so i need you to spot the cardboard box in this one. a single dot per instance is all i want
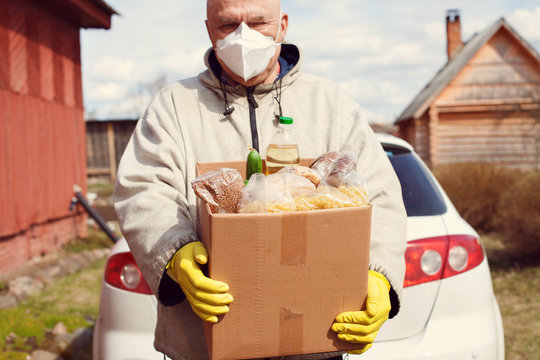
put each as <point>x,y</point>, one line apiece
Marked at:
<point>290,274</point>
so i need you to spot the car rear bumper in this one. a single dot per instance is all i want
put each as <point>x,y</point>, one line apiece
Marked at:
<point>125,327</point>
<point>476,338</point>
<point>465,324</point>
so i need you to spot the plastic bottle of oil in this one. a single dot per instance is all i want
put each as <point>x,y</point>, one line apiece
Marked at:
<point>283,149</point>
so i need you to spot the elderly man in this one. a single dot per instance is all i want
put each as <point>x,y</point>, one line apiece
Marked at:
<point>252,78</point>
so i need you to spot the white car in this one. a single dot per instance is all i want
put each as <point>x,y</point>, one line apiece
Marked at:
<point>448,308</point>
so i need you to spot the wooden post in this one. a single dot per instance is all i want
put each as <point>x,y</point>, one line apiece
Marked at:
<point>433,135</point>
<point>112,151</point>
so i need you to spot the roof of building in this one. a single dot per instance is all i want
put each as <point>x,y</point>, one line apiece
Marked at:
<point>85,13</point>
<point>450,70</point>
<point>105,6</point>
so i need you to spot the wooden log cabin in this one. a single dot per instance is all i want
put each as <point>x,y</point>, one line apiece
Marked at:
<point>483,105</point>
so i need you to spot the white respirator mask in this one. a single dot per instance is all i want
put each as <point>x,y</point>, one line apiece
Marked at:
<point>247,52</point>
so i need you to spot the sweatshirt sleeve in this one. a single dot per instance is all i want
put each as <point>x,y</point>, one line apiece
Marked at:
<point>389,219</point>
<point>150,196</point>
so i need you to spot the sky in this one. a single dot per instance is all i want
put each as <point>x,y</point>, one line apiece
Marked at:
<point>381,52</point>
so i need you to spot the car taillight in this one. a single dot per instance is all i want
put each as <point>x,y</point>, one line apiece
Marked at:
<point>440,257</point>
<point>122,272</point>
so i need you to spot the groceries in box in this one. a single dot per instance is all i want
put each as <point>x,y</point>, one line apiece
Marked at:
<point>331,181</point>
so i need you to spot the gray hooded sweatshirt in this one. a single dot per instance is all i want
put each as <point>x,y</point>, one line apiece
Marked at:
<point>184,124</point>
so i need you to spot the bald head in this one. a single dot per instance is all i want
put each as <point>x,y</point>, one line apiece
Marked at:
<point>214,5</point>
<point>264,16</point>
<point>224,16</point>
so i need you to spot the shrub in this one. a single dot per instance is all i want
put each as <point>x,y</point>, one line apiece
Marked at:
<point>519,214</point>
<point>475,189</point>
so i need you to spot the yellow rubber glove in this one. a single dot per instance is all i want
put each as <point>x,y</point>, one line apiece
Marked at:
<point>208,298</point>
<point>361,327</point>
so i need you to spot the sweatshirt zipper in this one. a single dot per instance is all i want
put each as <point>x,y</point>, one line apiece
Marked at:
<point>253,118</point>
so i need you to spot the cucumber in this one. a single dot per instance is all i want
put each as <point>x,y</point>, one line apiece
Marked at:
<point>253,163</point>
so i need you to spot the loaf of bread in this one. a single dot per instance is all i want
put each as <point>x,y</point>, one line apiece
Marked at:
<point>323,164</point>
<point>341,168</point>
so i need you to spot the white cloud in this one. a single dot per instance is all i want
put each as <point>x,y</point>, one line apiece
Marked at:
<point>114,68</point>
<point>322,66</point>
<point>400,55</point>
<point>134,107</point>
<point>435,31</point>
<point>183,62</point>
<point>127,107</point>
<point>528,21</point>
<point>103,92</point>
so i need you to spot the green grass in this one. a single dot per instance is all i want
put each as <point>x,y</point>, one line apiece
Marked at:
<point>516,283</point>
<point>518,294</point>
<point>72,300</point>
<point>96,239</point>
<point>102,189</point>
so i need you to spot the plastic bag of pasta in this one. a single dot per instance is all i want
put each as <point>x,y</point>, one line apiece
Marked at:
<point>350,191</point>
<point>254,195</point>
<point>274,193</point>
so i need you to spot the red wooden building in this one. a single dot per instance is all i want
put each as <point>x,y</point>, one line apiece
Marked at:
<point>42,131</point>
<point>483,105</point>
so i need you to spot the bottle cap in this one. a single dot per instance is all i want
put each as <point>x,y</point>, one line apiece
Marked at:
<point>285,120</point>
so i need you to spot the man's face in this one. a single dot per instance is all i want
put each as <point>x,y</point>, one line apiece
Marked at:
<point>224,16</point>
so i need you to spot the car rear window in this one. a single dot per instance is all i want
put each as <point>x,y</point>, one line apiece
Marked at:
<point>420,195</point>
